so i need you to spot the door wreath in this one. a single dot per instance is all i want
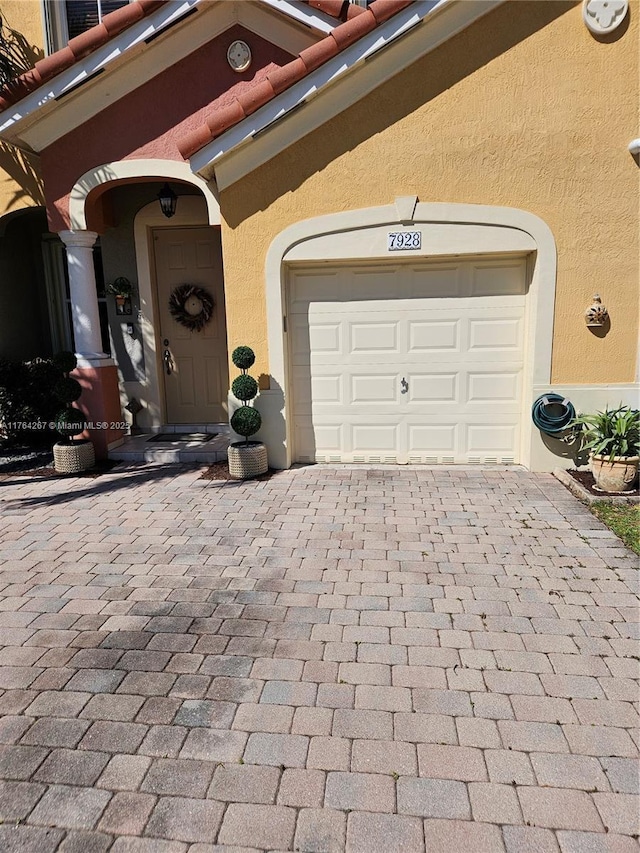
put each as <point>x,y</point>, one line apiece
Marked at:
<point>191,306</point>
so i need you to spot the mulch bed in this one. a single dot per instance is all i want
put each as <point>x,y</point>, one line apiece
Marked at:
<point>585,478</point>
<point>26,461</point>
<point>220,471</point>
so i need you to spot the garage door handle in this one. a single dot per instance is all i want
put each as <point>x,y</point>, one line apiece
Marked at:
<point>405,385</point>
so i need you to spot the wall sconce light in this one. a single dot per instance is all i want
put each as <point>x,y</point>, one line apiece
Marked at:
<point>167,199</point>
<point>596,314</point>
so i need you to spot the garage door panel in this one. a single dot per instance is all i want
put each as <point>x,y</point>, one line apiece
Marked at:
<point>495,334</point>
<point>375,438</point>
<point>491,438</point>
<point>426,438</point>
<point>373,337</point>
<point>433,388</point>
<point>310,284</point>
<point>434,336</point>
<point>493,387</point>
<point>324,338</point>
<point>490,279</point>
<point>374,388</point>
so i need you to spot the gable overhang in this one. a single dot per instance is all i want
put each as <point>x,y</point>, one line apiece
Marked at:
<point>337,84</point>
<point>134,57</point>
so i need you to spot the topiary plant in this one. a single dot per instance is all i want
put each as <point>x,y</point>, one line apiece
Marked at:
<point>70,421</point>
<point>246,421</point>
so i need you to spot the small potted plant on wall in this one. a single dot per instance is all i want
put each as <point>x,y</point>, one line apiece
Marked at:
<point>247,459</point>
<point>121,289</point>
<point>70,455</point>
<point>613,437</point>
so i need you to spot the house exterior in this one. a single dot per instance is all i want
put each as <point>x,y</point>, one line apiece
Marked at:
<point>403,207</point>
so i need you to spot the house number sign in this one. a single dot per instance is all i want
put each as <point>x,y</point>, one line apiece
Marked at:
<point>399,240</point>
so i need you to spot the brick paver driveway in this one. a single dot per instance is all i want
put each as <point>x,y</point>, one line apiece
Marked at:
<point>382,660</point>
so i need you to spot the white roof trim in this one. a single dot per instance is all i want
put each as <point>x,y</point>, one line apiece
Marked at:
<point>304,15</point>
<point>333,87</point>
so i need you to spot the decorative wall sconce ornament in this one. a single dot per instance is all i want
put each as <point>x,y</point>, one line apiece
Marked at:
<point>168,200</point>
<point>596,314</point>
<point>604,16</point>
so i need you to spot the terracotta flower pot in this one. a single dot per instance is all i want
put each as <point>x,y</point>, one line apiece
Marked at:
<point>617,475</point>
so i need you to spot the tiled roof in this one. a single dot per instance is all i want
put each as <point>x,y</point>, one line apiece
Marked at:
<point>345,34</point>
<point>356,22</point>
<point>76,49</point>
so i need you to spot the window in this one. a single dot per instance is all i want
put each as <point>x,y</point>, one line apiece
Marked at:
<point>65,19</point>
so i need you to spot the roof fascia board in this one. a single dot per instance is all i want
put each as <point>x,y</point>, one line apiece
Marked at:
<point>313,18</point>
<point>132,37</point>
<point>330,90</point>
<point>38,120</point>
<point>262,20</point>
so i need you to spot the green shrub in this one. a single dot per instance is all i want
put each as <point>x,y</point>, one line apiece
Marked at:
<point>70,422</point>
<point>244,387</point>
<point>33,392</point>
<point>68,390</point>
<point>613,432</point>
<point>65,361</point>
<point>243,357</point>
<point>246,421</point>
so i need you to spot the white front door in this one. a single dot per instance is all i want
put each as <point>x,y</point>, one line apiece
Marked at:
<point>196,377</point>
<point>408,363</point>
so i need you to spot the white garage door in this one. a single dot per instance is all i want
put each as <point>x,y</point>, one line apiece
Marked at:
<point>408,363</point>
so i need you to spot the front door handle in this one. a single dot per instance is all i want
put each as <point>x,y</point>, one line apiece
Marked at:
<point>168,362</point>
<point>405,385</point>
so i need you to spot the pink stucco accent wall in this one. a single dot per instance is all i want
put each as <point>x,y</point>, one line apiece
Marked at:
<point>148,122</point>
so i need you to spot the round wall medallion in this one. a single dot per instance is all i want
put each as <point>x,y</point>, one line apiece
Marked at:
<point>239,55</point>
<point>604,16</point>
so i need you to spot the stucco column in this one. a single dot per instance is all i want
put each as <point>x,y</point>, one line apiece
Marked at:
<point>82,289</point>
<point>96,372</point>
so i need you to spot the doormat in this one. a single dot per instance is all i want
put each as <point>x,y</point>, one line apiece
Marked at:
<point>199,437</point>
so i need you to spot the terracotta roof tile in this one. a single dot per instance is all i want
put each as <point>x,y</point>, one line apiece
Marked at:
<point>384,9</point>
<point>88,41</point>
<point>353,11</point>
<point>282,78</point>
<point>353,30</point>
<point>256,97</point>
<point>194,140</point>
<point>54,63</point>
<point>117,21</point>
<point>225,118</point>
<point>316,55</point>
<point>334,8</point>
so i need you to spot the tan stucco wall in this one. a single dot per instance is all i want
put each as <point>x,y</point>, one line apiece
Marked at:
<point>524,109</point>
<point>20,182</point>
